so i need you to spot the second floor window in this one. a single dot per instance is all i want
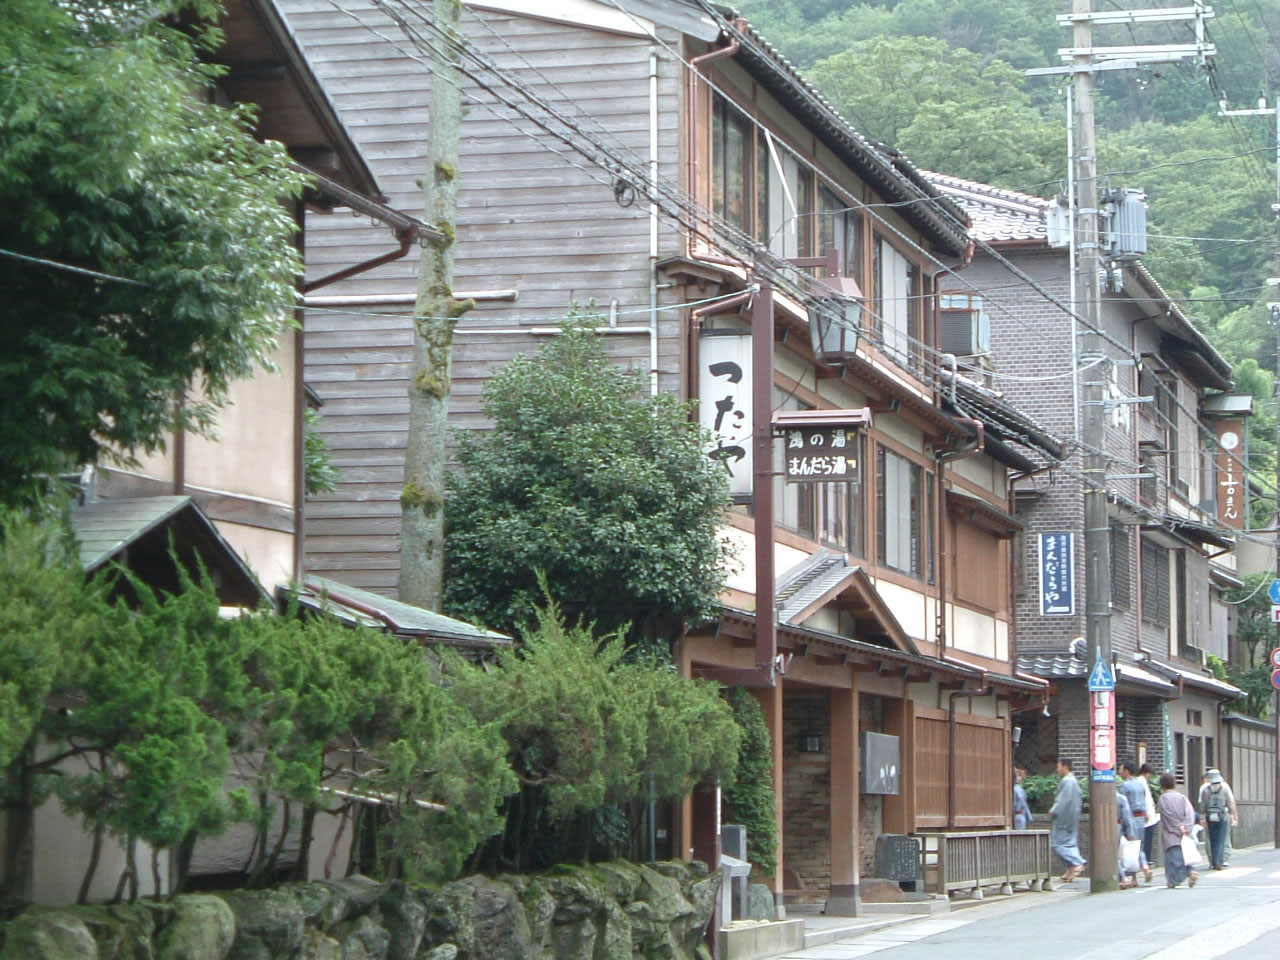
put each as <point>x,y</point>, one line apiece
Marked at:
<point>734,181</point>
<point>900,513</point>
<point>897,303</point>
<point>1121,565</point>
<point>1155,584</point>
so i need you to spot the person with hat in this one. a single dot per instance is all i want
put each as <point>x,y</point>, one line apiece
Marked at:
<point>1218,814</point>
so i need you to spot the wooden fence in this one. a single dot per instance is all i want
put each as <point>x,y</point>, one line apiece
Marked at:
<point>971,861</point>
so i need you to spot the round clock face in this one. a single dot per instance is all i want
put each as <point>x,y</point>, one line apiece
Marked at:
<point>1230,440</point>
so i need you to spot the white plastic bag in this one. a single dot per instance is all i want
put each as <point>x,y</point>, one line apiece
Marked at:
<point>1129,860</point>
<point>1190,852</point>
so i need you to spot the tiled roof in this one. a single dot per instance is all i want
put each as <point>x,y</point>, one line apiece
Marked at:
<point>1052,665</point>
<point>1006,420</point>
<point>996,214</point>
<point>890,170</point>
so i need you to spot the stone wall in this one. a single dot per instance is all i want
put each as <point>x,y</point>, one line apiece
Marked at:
<point>806,796</point>
<point>608,911</point>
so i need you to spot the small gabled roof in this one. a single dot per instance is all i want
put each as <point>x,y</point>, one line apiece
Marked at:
<point>825,577</point>
<point>996,215</point>
<point>138,534</point>
<point>366,608</point>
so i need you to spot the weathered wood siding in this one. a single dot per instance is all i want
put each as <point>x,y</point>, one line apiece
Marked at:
<point>533,216</point>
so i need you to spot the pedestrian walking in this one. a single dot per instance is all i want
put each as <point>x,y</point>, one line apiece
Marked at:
<point>1021,808</point>
<point>1177,817</point>
<point>1153,817</point>
<point>1065,812</point>
<point>1127,832</point>
<point>1136,791</point>
<point>1218,813</point>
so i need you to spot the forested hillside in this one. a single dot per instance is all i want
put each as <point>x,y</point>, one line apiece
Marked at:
<point>943,81</point>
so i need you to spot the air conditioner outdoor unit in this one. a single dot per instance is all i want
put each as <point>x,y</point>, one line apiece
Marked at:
<point>966,329</point>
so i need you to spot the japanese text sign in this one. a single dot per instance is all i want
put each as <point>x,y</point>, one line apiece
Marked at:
<point>724,402</point>
<point>819,453</point>
<point>1230,455</point>
<point>1057,575</point>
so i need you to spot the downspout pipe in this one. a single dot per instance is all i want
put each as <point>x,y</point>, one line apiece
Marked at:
<point>696,317</point>
<point>691,100</point>
<point>653,222</point>
<point>940,460</point>
<point>407,237</point>
<point>951,744</point>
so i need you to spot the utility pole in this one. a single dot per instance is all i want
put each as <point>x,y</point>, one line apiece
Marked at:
<point>1084,61</point>
<point>436,311</point>
<point>1262,110</point>
<point>1093,424</point>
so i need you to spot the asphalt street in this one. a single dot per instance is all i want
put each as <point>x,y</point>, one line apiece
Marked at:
<point>1233,913</point>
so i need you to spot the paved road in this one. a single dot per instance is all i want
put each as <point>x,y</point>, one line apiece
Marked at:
<point>1233,913</point>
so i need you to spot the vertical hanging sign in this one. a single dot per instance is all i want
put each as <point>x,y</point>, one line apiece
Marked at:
<point>1231,493</point>
<point>1102,722</point>
<point>1057,575</point>
<point>724,402</point>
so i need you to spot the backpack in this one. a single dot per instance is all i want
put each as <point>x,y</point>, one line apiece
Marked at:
<point>1215,803</point>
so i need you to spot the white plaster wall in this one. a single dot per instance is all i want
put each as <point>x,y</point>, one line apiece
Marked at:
<point>977,633</point>
<point>269,553</point>
<point>744,547</point>
<point>254,450</point>
<point>908,606</point>
<point>62,850</point>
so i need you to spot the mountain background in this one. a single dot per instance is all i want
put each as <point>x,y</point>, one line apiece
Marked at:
<point>943,81</point>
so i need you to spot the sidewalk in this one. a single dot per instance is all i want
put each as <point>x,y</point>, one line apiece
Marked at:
<point>846,938</point>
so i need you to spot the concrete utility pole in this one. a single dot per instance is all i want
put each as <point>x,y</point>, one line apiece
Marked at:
<point>435,313</point>
<point>1093,427</point>
<point>1084,61</point>
<point>1273,111</point>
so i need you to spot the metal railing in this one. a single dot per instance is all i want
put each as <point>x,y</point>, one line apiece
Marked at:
<point>972,861</point>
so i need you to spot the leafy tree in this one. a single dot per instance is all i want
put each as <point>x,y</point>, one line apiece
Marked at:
<point>590,734</point>
<point>1255,633</point>
<point>750,798</point>
<point>115,158</point>
<point>588,479</point>
<point>46,620</point>
<point>948,108</point>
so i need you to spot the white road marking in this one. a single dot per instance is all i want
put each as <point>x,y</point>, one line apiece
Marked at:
<point>1224,937</point>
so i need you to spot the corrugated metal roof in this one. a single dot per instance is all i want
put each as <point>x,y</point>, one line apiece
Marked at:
<point>809,580</point>
<point>401,618</point>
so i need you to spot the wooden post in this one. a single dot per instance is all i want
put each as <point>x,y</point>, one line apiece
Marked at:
<point>845,854</point>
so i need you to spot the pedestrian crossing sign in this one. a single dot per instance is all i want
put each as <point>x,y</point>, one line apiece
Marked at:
<point>1102,678</point>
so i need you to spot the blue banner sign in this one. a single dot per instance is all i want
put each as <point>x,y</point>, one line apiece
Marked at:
<point>1057,575</point>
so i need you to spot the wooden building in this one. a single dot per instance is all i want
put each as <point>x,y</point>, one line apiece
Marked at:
<point>715,168</point>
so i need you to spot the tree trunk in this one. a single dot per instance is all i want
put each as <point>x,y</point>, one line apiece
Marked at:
<point>436,311</point>
<point>182,862</point>
<point>19,820</point>
<point>95,852</point>
<point>302,869</point>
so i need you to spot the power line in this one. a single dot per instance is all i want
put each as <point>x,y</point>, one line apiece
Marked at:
<point>68,268</point>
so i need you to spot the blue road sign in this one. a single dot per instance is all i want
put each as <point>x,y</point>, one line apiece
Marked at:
<point>1102,678</point>
<point>1273,591</point>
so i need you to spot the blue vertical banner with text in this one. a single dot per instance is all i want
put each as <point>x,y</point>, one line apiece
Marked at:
<point>1057,575</point>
